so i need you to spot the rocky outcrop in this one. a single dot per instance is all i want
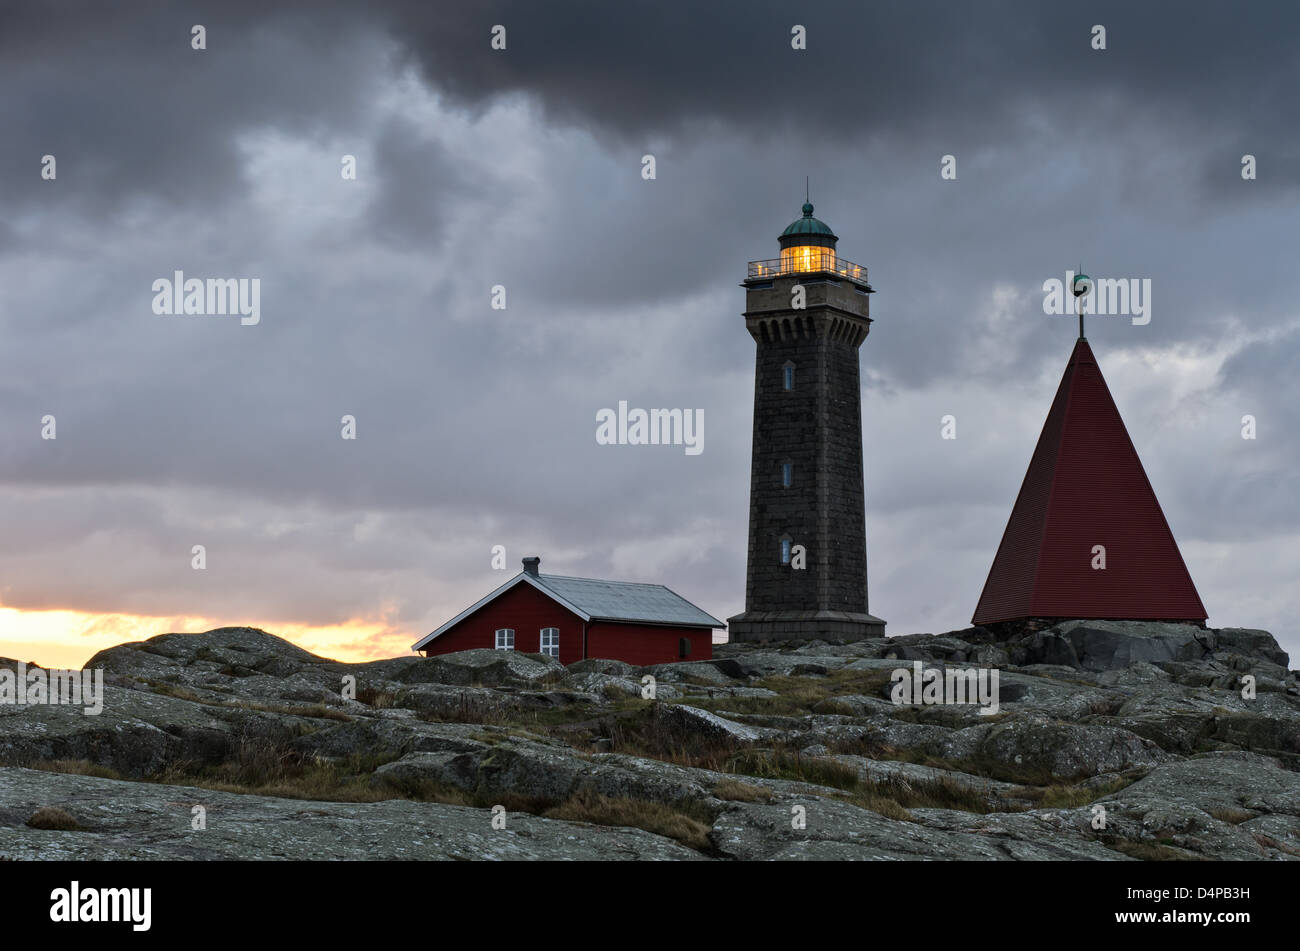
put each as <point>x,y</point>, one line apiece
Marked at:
<point>768,751</point>
<point>124,820</point>
<point>1113,645</point>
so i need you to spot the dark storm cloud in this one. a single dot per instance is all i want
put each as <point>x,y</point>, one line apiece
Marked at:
<point>870,69</point>
<point>132,113</point>
<point>120,89</point>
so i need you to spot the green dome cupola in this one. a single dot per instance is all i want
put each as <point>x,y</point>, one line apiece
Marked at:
<point>808,232</point>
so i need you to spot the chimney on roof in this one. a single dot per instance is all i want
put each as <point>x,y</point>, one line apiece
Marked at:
<point>530,565</point>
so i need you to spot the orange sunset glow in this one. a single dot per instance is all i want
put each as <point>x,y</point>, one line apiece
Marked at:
<point>67,639</point>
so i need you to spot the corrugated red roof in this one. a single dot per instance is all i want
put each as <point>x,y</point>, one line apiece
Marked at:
<point>1085,487</point>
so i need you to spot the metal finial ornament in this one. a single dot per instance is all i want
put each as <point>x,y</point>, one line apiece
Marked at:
<point>1082,285</point>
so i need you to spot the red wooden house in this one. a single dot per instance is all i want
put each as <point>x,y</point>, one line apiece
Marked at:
<point>573,618</point>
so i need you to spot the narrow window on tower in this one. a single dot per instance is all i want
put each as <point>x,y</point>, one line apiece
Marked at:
<point>787,474</point>
<point>787,376</point>
<point>785,551</point>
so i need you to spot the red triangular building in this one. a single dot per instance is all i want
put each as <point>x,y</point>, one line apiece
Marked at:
<point>1086,487</point>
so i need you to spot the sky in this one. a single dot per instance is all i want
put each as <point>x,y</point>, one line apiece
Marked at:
<point>522,168</point>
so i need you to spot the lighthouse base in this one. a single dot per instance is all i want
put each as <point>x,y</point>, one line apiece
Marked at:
<point>830,626</point>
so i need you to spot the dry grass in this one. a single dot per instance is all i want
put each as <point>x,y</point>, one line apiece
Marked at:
<point>647,736</point>
<point>783,764</point>
<point>267,769</point>
<point>379,699</point>
<point>318,780</point>
<point>799,696</point>
<point>179,692</point>
<point>1065,796</point>
<point>52,817</point>
<point>636,730</point>
<point>611,691</point>
<point>833,707</point>
<point>316,711</point>
<point>267,766</point>
<point>733,790</point>
<point>881,805</point>
<point>674,822</point>
<point>891,797</point>
<point>940,793</point>
<point>1231,816</point>
<point>1268,842</point>
<point>1037,785</point>
<point>76,767</point>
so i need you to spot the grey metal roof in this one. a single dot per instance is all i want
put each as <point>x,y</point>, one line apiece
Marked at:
<point>627,601</point>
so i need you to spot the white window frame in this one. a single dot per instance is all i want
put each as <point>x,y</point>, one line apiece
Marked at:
<point>552,649</point>
<point>509,639</point>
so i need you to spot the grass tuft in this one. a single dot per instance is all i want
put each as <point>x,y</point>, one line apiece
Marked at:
<point>675,822</point>
<point>77,767</point>
<point>54,818</point>
<point>733,790</point>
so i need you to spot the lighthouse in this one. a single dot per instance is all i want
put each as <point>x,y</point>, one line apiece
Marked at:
<point>808,312</point>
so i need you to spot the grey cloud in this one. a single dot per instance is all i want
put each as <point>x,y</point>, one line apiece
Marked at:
<point>476,426</point>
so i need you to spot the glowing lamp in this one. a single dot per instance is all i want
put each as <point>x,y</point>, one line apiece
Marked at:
<point>807,245</point>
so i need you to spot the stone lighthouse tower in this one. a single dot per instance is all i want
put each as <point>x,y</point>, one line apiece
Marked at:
<point>807,571</point>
